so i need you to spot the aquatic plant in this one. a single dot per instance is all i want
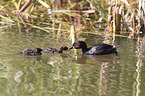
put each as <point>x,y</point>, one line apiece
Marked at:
<point>122,17</point>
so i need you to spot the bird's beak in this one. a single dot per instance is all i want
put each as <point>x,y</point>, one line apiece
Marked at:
<point>71,47</point>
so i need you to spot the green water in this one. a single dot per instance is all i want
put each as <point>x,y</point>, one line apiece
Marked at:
<point>63,74</point>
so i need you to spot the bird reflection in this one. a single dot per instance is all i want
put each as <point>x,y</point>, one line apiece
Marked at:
<point>38,58</point>
<point>98,58</point>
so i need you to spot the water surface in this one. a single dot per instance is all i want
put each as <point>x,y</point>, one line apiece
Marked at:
<point>67,74</point>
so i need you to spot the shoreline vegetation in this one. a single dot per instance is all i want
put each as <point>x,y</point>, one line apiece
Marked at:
<point>120,18</point>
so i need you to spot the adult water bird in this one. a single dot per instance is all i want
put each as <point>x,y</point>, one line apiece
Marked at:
<point>98,49</point>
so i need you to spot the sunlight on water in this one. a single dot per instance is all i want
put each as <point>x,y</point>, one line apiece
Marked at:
<point>18,75</point>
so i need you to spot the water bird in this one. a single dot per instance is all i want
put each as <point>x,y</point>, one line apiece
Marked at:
<point>98,49</point>
<point>31,52</point>
<point>55,50</point>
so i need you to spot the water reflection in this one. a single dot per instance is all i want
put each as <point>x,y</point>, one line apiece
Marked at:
<point>101,66</point>
<point>32,57</point>
<point>96,58</point>
<point>62,74</point>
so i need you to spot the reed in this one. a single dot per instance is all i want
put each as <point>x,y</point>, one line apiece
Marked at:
<point>86,15</point>
<point>117,21</point>
<point>73,39</point>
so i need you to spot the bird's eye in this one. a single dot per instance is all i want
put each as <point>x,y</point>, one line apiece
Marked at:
<point>78,45</point>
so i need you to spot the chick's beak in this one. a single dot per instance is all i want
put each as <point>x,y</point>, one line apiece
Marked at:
<point>71,47</point>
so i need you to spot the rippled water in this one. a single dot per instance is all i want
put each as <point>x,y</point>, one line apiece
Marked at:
<point>63,74</point>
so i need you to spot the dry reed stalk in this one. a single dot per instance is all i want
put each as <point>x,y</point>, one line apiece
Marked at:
<point>110,17</point>
<point>72,36</point>
<point>29,2</point>
<point>117,21</point>
<point>114,24</point>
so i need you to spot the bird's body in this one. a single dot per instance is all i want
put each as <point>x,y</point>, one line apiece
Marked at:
<point>31,52</point>
<point>55,50</point>
<point>98,49</point>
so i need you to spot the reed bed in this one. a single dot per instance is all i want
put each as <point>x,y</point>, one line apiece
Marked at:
<point>124,17</point>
